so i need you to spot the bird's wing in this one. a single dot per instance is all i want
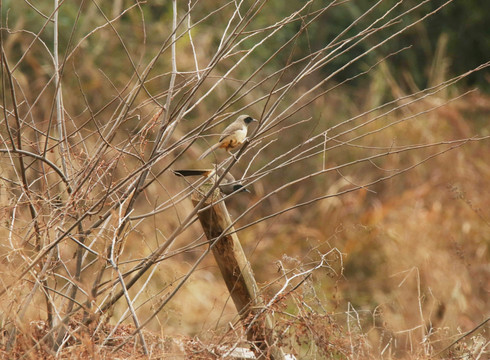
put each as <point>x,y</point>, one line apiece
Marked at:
<point>228,178</point>
<point>233,127</point>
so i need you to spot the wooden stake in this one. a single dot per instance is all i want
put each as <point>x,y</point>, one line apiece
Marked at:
<point>237,273</point>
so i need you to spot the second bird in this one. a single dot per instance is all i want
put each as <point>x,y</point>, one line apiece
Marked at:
<point>233,136</point>
<point>228,184</point>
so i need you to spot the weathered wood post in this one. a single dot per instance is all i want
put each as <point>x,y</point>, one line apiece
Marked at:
<point>237,273</point>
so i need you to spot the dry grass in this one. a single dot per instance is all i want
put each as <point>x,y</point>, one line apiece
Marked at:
<point>380,251</point>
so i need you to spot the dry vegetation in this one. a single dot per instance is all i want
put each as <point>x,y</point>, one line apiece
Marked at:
<point>367,225</point>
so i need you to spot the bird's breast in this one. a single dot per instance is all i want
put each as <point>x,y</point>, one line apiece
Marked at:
<point>233,140</point>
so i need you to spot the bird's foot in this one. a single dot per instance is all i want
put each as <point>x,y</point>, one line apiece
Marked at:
<point>233,155</point>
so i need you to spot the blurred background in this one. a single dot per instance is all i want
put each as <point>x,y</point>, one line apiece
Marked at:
<point>411,259</point>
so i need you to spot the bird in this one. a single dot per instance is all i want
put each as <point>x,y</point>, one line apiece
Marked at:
<point>233,136</point>
<point>227,186</point>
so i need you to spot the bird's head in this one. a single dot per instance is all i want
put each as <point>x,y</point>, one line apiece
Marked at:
<point>240,188</point>
<point>246,119</point>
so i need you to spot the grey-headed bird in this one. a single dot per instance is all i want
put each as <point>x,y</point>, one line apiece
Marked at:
<point>227,186</point>
<point>233,136</point>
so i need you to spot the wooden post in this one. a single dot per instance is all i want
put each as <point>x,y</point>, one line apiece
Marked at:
<point>237,273</point>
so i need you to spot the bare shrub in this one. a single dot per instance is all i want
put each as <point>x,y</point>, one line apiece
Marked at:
<point>101,100</point>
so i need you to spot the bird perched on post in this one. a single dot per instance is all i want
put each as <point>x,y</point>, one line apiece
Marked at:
<point>233,136</point>
<point>227,186</point>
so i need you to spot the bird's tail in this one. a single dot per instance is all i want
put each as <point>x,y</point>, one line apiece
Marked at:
<point>208,151</point>
<point>193,172</point>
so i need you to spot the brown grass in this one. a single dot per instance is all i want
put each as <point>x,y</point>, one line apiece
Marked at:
<point>407,258</point>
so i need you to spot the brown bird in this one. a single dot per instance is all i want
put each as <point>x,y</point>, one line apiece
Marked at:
<point>233,136</point>
<point>227,186</point>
